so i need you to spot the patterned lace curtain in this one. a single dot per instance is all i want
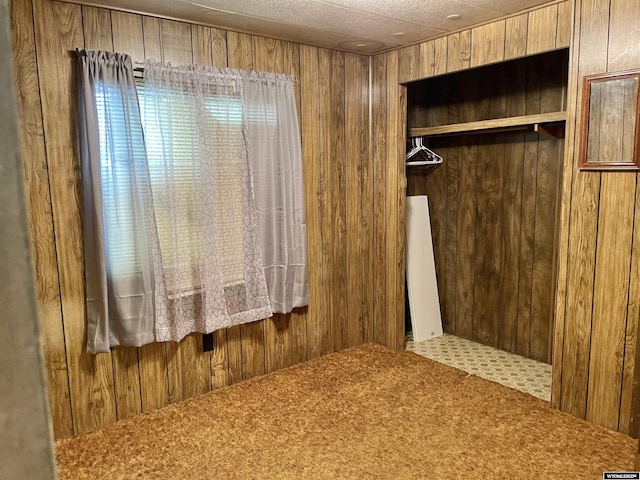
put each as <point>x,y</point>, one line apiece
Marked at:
<point>209,254</point>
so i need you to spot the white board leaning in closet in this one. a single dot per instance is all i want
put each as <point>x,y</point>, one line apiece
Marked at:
<point>422,288</point>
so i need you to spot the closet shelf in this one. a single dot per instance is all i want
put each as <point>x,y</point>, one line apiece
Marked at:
<point>495,124</point>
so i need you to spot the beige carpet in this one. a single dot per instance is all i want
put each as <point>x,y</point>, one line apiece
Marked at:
<point>365,412</point>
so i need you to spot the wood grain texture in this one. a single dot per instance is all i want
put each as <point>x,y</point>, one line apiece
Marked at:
<point>488,247</point>
<point>379,135</point>
<point>542,29</point>
<point>516,36</point>
<point>353,146</point>
<point>58,29</point>
<point>129,381</point>
<point>332,180</point>
<point>427,59</point>
<point>38,198</point>
<point>495,268</point>
<point>548,179</point>
<point>393,184</point>
<point>367,199</point>
<point>392,239</point>
<point>512,200</point>
<point>565,213</point>
<point>409,63</point>
<point>527,238</point>
<point>440,55</point>
<point>629,421</point>
<point>465,255</point>
<point>583,218</point>
<point>488,43</point>
<point>620,57</point>
<point>309,116</point>
<point>610,298</point>
<point>563,35</point>
<point>459,51</point>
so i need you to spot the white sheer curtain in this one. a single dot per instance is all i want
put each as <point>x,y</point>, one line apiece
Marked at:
<point>209,242</point>
<point>119,230</point>
<point>276,162</point>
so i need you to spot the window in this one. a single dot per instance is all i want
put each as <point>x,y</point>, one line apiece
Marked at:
<point>173,125</point>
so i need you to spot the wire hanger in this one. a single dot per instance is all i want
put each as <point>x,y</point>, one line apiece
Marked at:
<point>421,155</point>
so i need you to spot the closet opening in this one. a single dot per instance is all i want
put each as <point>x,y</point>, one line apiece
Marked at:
<point>494,208</point>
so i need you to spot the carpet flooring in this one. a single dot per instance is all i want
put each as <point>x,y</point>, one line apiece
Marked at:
<point>365,412</point>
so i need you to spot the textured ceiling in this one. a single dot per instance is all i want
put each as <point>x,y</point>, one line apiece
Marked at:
<point>363,26</point>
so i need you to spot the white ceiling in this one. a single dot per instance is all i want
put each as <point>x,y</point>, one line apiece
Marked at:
<point>362,26</point>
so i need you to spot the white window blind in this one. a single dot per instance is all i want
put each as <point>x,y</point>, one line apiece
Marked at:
<point>173,127</point>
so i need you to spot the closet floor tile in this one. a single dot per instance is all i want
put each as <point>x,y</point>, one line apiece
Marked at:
<point>509,369</point>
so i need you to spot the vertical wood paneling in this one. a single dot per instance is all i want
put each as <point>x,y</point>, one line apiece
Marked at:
<point>488,247</point>
<point>583,219</point>
<point>393,209</point>
<point>516,36</point>
<point>459,51</point>
<point>409,63</point>
<point>333,199</point>
<point>337,211</point>
<point>40,217</point>
<point>369,271</point>
<point>379,133</point>
<point>309,82</point>
<point>622,55</point>
<point>245,343</point>
<point>563,35</point>
<point>548,178</point>
<point>427,59</point>
<point>511,212</point>
<point>465,258</point>
<point>488,43</point>
<point>436,186</point>
<point>440,55</point>
<point>542,29</point>
<point>353,145</point>
<point>451,238</point>
<point>613,330</point>
<point>565,214</point>
<point>58,29</point>
<point>630,401</point>
<point>611,290</point>
<point>495,268</point>
<point>527,238</point>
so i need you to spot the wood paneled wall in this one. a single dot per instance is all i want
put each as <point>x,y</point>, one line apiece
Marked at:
<point>494,201</point>
<point>352,132</point>
<point>494,218</point>
<point>598,298</point>
<point>346,231</point>
<point>527,33</point>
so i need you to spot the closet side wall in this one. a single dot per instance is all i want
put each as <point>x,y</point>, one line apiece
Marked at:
<point>87,392</point>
